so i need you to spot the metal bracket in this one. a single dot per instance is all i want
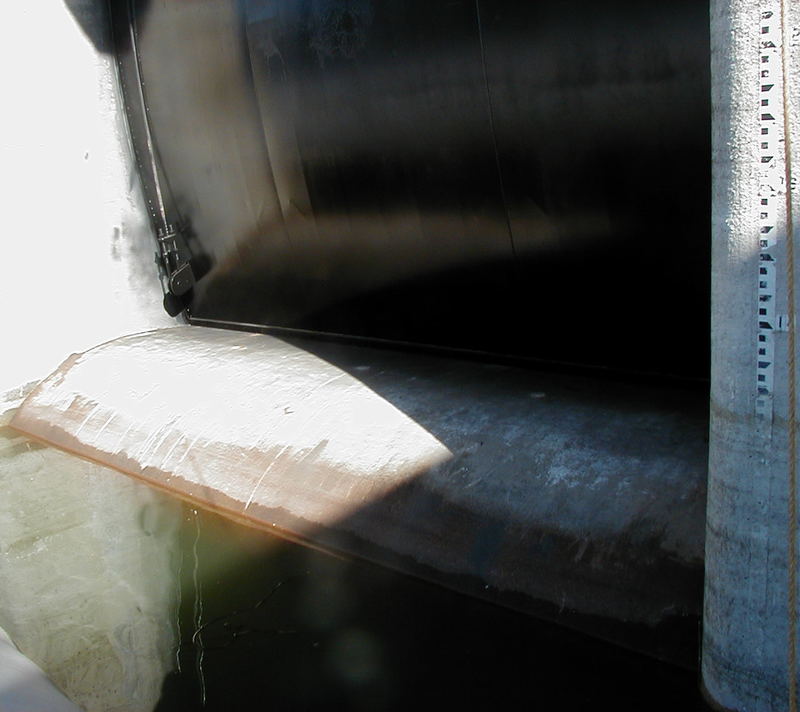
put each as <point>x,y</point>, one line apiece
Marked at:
<point>176,258</point>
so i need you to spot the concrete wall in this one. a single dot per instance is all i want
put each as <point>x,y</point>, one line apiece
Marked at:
<point>746,662</point>
<point>80,581</point>
<point>76,265</point>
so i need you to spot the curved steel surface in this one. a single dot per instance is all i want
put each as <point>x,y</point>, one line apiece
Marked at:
<point>519,178</point>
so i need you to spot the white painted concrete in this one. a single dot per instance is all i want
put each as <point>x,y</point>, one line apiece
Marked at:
<point>75,260</point>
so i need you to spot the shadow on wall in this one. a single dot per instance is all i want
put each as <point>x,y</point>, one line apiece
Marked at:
<point>94,18</point>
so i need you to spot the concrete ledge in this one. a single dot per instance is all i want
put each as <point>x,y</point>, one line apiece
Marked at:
<point>563,496</point>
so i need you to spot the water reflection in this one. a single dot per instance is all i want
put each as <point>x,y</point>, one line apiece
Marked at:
<point>285,627</point>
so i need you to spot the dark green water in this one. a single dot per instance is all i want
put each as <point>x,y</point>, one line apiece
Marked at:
<point>282,627</point>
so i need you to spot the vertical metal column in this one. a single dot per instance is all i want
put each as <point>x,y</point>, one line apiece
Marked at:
<point>750,618</point>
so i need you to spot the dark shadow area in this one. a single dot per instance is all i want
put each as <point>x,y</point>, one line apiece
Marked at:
<point>288,628</point>
<point>371,188</point>
<point>477,306</point>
